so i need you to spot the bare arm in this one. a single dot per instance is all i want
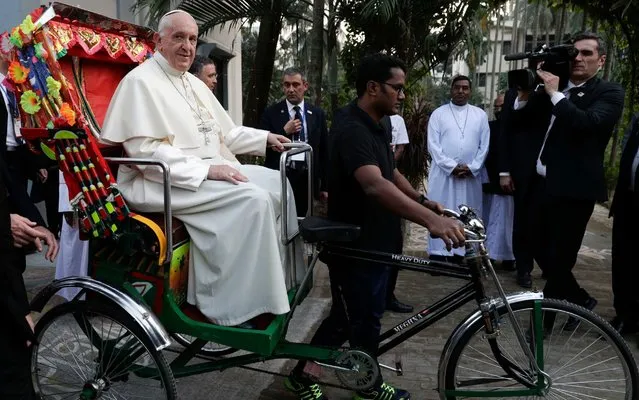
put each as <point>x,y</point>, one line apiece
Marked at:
<point>399,150</point>
<point>402,184</point>
<point>392,198</point>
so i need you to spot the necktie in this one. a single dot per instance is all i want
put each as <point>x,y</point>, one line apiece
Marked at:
<point>300,135</point>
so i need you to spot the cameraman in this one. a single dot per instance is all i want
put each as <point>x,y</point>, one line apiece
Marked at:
<point>568,129</point>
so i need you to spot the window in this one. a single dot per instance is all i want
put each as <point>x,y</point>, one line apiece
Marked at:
<point>506,47</point>
<point>481,79</point>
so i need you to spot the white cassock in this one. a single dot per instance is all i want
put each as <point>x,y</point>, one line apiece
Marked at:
<point>499,226</point>
<point>73,256</point>
<point>237,262</point>
<point>456,135</point>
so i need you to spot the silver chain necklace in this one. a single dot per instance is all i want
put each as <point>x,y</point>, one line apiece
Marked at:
<point>202,127</point>
<point>455,118</point>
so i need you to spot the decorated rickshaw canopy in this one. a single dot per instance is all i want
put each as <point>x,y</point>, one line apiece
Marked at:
<point>64,65</point>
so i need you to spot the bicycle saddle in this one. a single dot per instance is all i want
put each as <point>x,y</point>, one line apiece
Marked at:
<point>318,229</point>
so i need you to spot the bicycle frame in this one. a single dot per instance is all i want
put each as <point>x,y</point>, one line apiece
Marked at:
<point>411,326</point>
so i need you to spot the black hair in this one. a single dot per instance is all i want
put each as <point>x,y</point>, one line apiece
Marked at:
<point>198,63</point>
<point>601,45</point>
<point>461,78</point>
<point>292,71</point>
<point>376,67</point>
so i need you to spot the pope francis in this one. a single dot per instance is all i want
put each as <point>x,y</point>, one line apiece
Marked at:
<point>231,211</point>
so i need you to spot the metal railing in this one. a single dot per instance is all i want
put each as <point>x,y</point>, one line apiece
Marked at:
<point>166,178</point>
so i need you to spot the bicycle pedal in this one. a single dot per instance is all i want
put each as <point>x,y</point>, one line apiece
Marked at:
<point>399,369</point>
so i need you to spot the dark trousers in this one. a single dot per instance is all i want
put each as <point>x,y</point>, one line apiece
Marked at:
<point>625,274</point>
<point>298,177</point>
<point>359,300</point>
<point>15,374</point>
<point>559,228</point>
<point>523,240</point>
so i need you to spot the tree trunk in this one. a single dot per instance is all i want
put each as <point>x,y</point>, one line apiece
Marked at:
<point>492,74</point>
<point>515,33</point>
<point>317,52</point>
<point>536,27</point>
<point>332,51</point>
<point>524,28</point>
<point>503,28</point>
<point>584,21</point>
<point>562,26</point>
<point>260,81</point>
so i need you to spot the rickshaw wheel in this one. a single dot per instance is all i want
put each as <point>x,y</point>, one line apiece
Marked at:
<point>91,350</point>
<point>210,349</point>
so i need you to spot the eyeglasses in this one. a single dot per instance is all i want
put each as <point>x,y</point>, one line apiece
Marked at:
<point>398,88</point>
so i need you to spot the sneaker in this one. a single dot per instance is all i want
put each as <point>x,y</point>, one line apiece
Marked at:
<point>304,389</point>
<point>384,392</point>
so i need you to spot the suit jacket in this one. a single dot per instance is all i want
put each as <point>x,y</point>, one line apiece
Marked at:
<point>625,165</point>
<point>574,150</point>
<point>492,159</point>
<point>276,116</point>
<point>19,200</point>
<point>520,140</point>
<point>13,296</point>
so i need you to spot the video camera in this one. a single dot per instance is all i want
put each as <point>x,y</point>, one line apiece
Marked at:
<point>556,60</point>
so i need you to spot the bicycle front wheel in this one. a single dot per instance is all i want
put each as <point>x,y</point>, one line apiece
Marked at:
<point>581,355</point>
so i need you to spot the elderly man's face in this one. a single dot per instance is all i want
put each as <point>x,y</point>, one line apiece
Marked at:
<point>208,75</point>
<point>177,42</point>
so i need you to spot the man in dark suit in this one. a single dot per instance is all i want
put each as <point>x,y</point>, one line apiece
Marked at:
<point>21,228</point>
<point>625,209</point>
<point>519,145</point>
<point>301,122</point>
<point>569,178</point>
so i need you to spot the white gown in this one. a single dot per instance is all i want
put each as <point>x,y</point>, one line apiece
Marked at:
<point>499,227</point>
<point>456,135</point>
<point>73,256</point>
<point>236,269</point>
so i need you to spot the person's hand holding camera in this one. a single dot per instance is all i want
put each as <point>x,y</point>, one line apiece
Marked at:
<point>551,81</point>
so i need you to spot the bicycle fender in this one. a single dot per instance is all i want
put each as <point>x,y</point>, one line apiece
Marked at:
<point>454,338</point>
<point>148,321</point>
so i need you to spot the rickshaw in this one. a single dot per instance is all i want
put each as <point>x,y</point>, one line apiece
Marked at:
<point>111,340</point>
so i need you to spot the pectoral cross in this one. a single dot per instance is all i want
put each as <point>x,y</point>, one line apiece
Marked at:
<point>205,131</point>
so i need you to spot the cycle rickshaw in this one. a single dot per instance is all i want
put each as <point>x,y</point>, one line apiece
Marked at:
<point>110,340</point>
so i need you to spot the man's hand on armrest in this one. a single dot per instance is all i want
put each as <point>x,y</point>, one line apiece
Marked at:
<point>274,141</point>
<point>225,173</point>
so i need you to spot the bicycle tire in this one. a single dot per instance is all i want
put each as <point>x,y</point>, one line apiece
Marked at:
<point>108,327</point>
<point>485,374</point>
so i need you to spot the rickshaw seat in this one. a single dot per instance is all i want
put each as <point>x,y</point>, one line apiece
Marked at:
<point>178,230</point>
<point>318,229</point>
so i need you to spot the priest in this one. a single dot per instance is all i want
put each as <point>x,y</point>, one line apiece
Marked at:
<point>231,211</point>
<point>458,139</point>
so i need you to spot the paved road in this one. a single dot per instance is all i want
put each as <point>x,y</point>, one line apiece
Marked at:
<point>420,355</point>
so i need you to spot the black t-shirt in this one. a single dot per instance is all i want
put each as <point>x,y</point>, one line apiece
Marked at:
<point>357,141</point>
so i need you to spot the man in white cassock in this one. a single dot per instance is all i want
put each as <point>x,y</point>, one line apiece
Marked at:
<point>458,138</point>
<point>231,211</point>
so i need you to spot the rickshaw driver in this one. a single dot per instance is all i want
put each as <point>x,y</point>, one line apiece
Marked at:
<point>231,211</point>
